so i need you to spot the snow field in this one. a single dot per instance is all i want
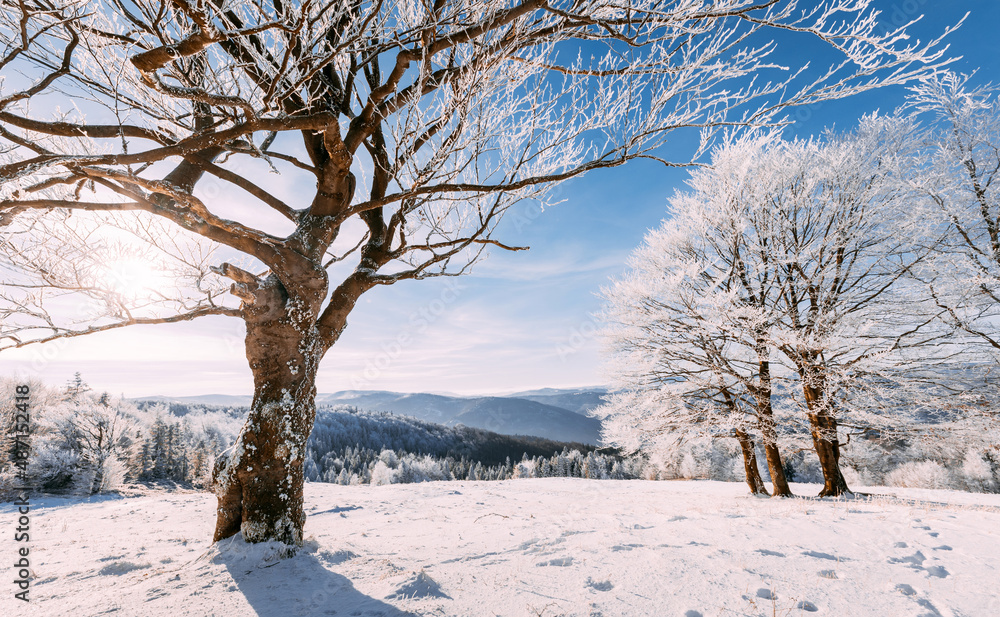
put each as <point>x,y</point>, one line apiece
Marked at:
<point>555,546</point>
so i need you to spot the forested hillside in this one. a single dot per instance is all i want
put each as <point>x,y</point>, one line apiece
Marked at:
<point>85,442</point>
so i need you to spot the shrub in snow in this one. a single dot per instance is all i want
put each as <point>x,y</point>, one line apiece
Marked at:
<point>804,467</point>
<point>112,476</point>
<point>389,458</point>
<point>53,468</point>
<point>920,474</point>
<point>382,474</point>
<point>690,468</point>
<point>978,472</point>
<point>855,477</point>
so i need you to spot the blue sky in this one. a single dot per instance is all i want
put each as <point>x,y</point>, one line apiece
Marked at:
<point>520,320</point>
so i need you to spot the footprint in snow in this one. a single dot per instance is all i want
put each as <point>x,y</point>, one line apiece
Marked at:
<point>943,547</point>
<point>937,571</point>
<point>157,593</point>
<point>766,594</point>
<point>111,558</point>
<point>899,545</point>
<point>599,585</point>
<point>808,607</point>
<point>693,614</point>
<point>819,555</point>
<point>925,603</point>
<point>831,574</point>
<point>916,560</point>
<point>121,567</point>
<point>910,592</point>
<point>764,551</point>
<point>562,562</point>
<point>336,557</point>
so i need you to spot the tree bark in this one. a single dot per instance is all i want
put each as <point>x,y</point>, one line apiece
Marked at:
<point>765,419</point>
<point>259,480</point>
<point>823,427</point>
<point>754,480</point>
<point>772,455</point>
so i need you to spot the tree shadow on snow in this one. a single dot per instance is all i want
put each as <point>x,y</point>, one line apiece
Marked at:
<point>301,585</point>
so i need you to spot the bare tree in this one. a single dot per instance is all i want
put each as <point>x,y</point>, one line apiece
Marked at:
<point>407,128</point>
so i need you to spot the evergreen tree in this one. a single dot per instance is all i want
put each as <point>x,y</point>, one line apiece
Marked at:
<point>75,388</point>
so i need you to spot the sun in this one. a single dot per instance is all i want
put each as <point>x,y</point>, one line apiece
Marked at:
<point>131,278</point>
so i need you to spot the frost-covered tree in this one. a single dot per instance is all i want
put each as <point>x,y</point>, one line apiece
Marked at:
<point>794,247</point>
<point>406,128</point>
<point>81,445</point>
<point>76,387</point>
<point>958,173</point>
<point>689,324</point>
<point>845,241</point>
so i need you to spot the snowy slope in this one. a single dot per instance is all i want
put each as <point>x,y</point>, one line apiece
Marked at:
<point>526,547</point>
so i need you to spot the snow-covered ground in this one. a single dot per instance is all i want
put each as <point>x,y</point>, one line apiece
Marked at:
<point>524,547</point>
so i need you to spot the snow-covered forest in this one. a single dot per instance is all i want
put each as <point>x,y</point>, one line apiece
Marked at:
<point>87,442</point>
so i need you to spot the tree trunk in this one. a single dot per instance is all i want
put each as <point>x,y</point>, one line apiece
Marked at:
<point>754,480</point>
<point>259,480</point>
<point>823,427</point>
<point>773,457</point>
<point>765,419</point>
<point>95,486</point>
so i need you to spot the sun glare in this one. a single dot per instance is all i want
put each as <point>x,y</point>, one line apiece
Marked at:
<point>132,278</point>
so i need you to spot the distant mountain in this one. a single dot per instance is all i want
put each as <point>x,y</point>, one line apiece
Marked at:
<point>500,414</point>
<point>339,427</point>
<point>518,416</point>
<point>550,413</point>
<point>428,407</point>
<point>577,401</point>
